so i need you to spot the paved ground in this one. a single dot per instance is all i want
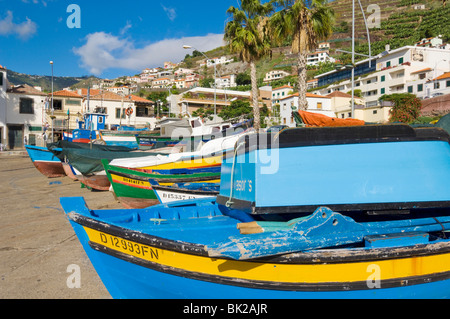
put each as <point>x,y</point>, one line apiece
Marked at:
<point>37,243</point>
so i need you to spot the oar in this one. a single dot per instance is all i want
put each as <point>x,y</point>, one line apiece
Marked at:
<point>322,229</point>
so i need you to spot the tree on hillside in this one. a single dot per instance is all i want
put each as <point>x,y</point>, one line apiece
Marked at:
<point>248,35</point>
<point>307,22</point>
<point>406,107</point>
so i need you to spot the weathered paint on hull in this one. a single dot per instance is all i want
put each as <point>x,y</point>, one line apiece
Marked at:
<point>97,182</point>
<point>69,172</point>
<point>50,169</point>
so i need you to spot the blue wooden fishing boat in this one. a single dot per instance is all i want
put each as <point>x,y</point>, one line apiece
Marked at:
<point>242,245</point>
<point>45,161</point>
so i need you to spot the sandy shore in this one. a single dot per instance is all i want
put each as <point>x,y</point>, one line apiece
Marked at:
<point>37,243</point>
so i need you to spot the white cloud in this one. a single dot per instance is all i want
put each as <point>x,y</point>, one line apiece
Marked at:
<point>103,51</point>
<point>23,30</point>
<point>171,13</point>
<point>126,28</point>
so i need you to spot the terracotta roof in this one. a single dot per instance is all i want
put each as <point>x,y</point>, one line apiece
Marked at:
<point>92,92</point>
<point>446,75</point>
<point>1,67</point>
<point>107,95</point>
<point>136,98</point>
<point>66,93</point>
<point>310,95</point>
<point>420,71</point>
<point>26,89</point>
<point>283,87</point>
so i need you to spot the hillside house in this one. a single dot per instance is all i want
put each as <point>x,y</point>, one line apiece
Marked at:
<point>275,75</point>
<point>316,104</point>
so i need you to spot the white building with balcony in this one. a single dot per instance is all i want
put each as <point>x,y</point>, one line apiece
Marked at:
<point>408,69</point>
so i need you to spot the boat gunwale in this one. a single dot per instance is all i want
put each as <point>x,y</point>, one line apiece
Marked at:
<point>183,190</point>
<point>400,207</point>
<point>338,136</point>
<point>322,256</point>
<point>171,178</point>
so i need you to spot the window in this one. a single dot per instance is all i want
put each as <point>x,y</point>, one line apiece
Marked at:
<point>448,83</point>
<point>388,64</point>
<point>383,78</point>
<point>118,113</point>
<point>319,105</point>
<point>383,90</point>
<point>437,85</point>
<point>400,61</point>
<point>1,78</point>
<point>26,106</point>
<point>375,112</point>
<point>410,89</point>
<point>57,105</point>
<point>420,88</point>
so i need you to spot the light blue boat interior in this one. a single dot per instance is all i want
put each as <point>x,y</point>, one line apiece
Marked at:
<point>391,172</point>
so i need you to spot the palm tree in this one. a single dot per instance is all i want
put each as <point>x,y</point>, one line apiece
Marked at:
<point>248,35</point>
<point>304,22</point>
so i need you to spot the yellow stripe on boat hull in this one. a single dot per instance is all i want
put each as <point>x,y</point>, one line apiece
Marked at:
<point>282,273</point>
<point>188,163</point>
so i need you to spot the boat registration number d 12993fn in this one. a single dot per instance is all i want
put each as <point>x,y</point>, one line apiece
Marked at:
<point>122,245</point>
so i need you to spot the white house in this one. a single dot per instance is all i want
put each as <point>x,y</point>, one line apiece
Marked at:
<point>210,62</point>
<point>121,90</point>
<point>275,75</point>
<point>319,57</point>
<point>281,92</point>
<point>25,116</point>
<point>441,85</point>
<point>182,71</point>
<point>160,83</point>
<point>226,81</point>
<point>316,104</point>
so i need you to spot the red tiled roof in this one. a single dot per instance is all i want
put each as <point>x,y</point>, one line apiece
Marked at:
<point>308,95</point>
<point>422,70</point>
<point>339,94</point>
<point>446,75</point>
<point>66,93</point>
<point>84,92</point>
<point>107,95</point>
<point>283,87</point>
<point>136,98</point>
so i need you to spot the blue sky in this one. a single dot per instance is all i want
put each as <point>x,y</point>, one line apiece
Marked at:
<point>115,37</point>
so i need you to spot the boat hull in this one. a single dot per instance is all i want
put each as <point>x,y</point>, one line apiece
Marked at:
<point>168,194</point>
<point>136,264</point>
<point>133,189</point>
<point>95,181</point>
<point>45,162</point>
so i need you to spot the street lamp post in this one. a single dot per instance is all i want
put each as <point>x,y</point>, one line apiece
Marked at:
<point>188,47</point>
<point>51,63</point>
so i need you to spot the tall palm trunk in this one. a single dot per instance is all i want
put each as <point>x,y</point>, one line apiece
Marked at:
<point>255,105</point>
<point>302,88</point>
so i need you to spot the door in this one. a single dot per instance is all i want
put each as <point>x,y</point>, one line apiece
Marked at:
<point>15,136</point>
